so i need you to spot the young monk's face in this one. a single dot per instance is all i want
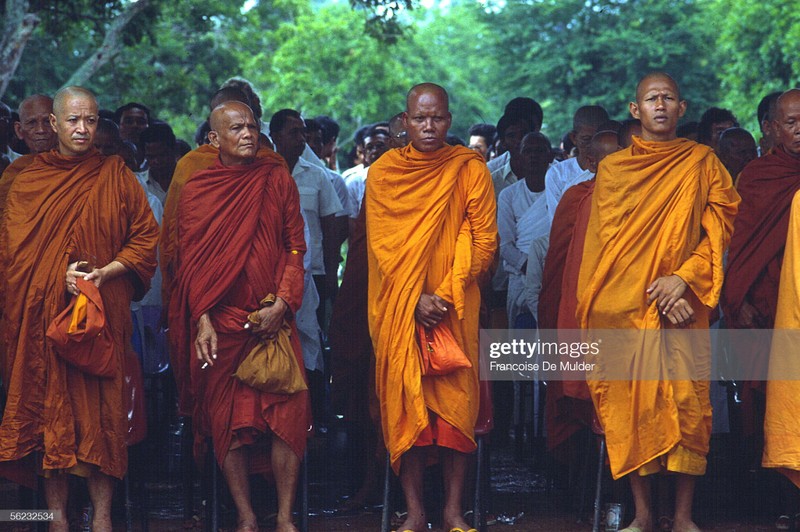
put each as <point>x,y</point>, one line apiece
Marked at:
<point>659,107</point>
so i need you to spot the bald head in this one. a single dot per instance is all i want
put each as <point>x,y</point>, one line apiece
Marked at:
<point>33,127</point>
<point>427,118</point>
<point>787,120</point>
<point>74,120</point>
<point>71,93</point>
<point>234,132</point>
<point>589,115</point>
<point>656,76</point>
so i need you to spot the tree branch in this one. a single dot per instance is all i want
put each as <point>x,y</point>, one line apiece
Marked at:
<point>18,28</point>
<point>111,46</point>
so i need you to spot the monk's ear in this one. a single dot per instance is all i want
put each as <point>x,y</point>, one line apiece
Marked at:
<point>633,107</point>
<point>213,138</point>
<point>682,108</point>
<point>53,122</point>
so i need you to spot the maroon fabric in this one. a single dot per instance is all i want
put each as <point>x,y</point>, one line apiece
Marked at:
<point>240,237</point>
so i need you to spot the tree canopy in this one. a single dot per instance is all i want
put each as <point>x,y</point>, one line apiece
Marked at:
<point>355,61</point>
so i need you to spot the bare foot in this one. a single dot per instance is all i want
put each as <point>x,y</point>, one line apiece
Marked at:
<point>101,524</point>
<point>685,526</point>
<point>247,526</point>
<point>413,525</point>
<point>456,521</point>
<point>639,525</point>
<point>59,526</point>
<point>286,527</point>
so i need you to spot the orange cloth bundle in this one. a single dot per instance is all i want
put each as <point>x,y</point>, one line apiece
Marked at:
<point>439,352</point>
<point>80,334</point>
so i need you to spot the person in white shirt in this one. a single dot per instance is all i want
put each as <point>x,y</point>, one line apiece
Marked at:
<point>522,218</point>
<point>572,171</point>
<point>376,143</point>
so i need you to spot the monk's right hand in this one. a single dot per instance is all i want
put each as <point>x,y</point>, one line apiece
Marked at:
<point>206,342</point>
<point>431,309</point>
<point>72,275</point>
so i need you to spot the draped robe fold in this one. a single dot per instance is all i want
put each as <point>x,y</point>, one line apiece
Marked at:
<point>430,229</point>
<point>240,237</point>
<point>60,210</point>
<point>658,208</point>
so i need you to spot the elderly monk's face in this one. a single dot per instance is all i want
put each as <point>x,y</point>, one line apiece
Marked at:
<point>236,136</point>
<point>659,107</point>
<point>787,125</point>
<point>75,125</point>
<point>374,147</point>
<point>33,127</point>
<point>427,121</point>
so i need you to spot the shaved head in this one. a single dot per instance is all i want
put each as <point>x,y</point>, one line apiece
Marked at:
<point>68,93</point>
<point>427,118</point>
<point>234,131</point>
<point>432,89</point>
<point>221,112</point>
<point>787,116</point>
<point>33,127</point>
<point>604,143</point>
<point>656,76</point>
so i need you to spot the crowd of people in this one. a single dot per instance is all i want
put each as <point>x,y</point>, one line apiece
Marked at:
<point>123,250</point>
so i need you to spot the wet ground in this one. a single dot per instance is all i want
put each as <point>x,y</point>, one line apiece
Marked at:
<point>529,491</point>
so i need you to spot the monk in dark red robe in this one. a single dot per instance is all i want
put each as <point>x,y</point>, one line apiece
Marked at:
<point>240,238</point>
<point>750,295</point>
<point>69,205</point>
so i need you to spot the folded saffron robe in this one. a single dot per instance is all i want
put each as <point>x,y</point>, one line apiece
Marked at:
<point>60,210</point>
<point>782,424</point>
<point>658,208</point>
<point>240,238</point>
<point>430,229</point>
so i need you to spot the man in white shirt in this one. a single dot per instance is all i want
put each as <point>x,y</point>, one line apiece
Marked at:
<point>376,143</point>
<point>575,170</point>
<point>522,218</point>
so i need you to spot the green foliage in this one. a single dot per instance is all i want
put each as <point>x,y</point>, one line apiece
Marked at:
<point>568,53</point>
<point>759,43</point>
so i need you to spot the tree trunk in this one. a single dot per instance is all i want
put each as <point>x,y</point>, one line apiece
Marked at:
<point>18,27</point>
<point>111,46</point>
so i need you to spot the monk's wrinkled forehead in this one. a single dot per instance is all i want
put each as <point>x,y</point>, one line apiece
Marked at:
<point>73,97</point>
<point>658,81</point>
<point>787,100</point>
<point>35,105</point>
<point>429,93</point>
<point>229,112</point>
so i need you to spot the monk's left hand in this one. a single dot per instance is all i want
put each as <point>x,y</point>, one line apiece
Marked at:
<point>271,319</point>
<point>666,291</point>
<point>106,273</point>
<point>681,314</point>
<point>72,278</point>
<point>431,309</point>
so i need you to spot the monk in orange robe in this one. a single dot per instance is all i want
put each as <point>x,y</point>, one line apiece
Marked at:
<point>661,218</point>
<point>35,131</point>
<point>568,405</point>
<point>240,238</point>
<point>69,205</point>
<point>781,424</point>
<point>750,295</point>
<point>431,232</point>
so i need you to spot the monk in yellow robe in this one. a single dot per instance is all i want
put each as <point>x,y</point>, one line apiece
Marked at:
<point>431,232</point>
<point>661,217</point>
<point>69,206</point>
